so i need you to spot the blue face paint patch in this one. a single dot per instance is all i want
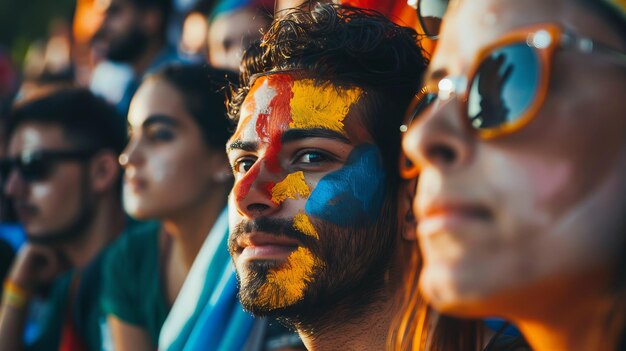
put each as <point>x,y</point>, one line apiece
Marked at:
<point>353,195</point>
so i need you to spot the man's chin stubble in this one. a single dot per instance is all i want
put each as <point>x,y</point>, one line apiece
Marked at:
<point>256,277</point>
<point>320,306</point>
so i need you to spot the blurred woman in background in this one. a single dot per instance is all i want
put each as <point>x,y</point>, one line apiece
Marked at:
<point>176,172</point>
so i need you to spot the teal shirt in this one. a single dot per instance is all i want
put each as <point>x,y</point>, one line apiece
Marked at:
<point>132,288</point>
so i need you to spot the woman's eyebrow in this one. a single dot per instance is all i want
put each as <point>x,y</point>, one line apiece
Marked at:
<point>154,119</point>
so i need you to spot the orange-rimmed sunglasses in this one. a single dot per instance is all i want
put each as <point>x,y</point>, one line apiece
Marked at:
<point>506,85</point>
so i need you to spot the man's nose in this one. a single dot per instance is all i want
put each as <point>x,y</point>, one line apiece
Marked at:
<point>14,185</point>
<point>132,155</point>
<point>253,192</point>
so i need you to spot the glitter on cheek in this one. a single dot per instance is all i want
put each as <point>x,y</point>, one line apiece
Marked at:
<point>286,285</point>
<point>293,186</point>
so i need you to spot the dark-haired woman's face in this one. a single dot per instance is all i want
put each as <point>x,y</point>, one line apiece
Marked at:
<point>168,167</point>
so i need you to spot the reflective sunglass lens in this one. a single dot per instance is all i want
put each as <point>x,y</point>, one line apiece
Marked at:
<point>5,168</point>
<point>430,13</point>
<point>503,87</point>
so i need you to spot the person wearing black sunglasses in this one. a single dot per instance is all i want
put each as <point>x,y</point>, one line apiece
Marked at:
<point>518,140</point>
<point>61,172</point>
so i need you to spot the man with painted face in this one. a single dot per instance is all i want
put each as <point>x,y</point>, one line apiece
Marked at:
<point>520,145</point>
<point>313,222</point>
<point>61,172</point>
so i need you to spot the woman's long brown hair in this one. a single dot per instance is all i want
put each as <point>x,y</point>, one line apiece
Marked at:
<point>418,327</point>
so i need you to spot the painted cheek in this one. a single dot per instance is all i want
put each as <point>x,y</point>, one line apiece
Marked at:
<point>302,223</point>
<point>286,285</point>
<point>353,195</point>
<point>293,187</point>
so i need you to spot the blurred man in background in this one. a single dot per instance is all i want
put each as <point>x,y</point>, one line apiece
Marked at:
<point>133,33</point>
<point>63,177</point>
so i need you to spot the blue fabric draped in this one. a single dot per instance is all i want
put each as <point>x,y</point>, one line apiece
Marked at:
<point>206,314</point>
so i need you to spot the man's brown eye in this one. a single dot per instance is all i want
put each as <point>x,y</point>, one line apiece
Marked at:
<point>243,166</point>
<point>313,157</point>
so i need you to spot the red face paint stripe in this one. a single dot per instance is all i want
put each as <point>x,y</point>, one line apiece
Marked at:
<point>268,188</point>
<point>272,128</point>
<point>242,188</point>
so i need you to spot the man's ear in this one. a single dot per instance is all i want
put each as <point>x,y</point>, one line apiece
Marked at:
<point>104,171</point>
<point>407,221</point>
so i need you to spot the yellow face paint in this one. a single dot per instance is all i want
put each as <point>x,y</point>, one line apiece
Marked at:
<point>321,106</point>
<point>293,186</point>
<point>302,223</point>
<point>285,285</point>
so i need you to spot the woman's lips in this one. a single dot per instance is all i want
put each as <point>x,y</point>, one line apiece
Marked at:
<point>136,185</point>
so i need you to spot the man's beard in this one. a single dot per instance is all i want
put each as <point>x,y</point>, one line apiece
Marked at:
<point>129,47</point>
<point>351,276</point>
<point>76,229</point>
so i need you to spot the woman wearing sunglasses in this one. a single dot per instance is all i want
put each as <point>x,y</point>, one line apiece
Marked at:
<point>176,172</point>
<point>519,140</point>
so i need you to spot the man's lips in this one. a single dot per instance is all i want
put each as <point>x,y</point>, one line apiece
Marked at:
<point>262,246</point>
<point>25,212</point>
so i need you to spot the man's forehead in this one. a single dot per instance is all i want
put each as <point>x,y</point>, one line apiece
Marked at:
<point>309,103</point>
<point>36,136</point>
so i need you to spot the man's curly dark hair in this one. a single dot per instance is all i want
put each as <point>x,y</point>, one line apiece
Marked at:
<point>350,47</point>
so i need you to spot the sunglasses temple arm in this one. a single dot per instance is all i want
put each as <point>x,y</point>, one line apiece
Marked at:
<point>586,45</point>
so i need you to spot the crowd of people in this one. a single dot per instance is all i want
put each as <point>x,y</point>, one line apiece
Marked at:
<point>322,175</point>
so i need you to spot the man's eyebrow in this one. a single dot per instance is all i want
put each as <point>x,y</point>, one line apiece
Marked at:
<point>299,134</point>
<point>242,145</point>
<point>154,119</point>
